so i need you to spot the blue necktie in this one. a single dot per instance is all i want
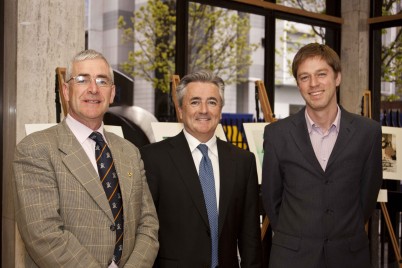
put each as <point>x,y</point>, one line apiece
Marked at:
<point>110,183</point>
<point>208,189</point>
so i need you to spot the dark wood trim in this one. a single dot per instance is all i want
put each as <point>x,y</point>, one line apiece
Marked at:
<point>1,113</point>
<point>382,19</point>
<point>293,11</point>
<point>181,37</point>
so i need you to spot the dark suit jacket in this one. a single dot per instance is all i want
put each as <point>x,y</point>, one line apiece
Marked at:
<point>318,216</point>
<point>62,211</point>
<point>184,234</point>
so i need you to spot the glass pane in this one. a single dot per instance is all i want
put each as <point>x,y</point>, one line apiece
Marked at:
<point>290,37</point>
<point>391,7</point>
<point>228,43</point>
<point>316,6</point>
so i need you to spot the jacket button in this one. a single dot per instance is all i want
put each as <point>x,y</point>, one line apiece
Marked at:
<point>112,228</point>
<point>329,211</point>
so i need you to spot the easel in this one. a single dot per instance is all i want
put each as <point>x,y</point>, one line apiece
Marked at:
<point>60,76</point>
<point>175,83</point>
<point>261,95</point>
<point>384,210</point>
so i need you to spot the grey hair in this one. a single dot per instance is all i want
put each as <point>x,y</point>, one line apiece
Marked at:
<point>203,76</point>
<point>89,54</point>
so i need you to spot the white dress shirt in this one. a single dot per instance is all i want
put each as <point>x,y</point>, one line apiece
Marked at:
<point>213,155</point>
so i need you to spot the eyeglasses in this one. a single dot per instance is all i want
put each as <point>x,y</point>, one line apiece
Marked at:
<point>85,80</point>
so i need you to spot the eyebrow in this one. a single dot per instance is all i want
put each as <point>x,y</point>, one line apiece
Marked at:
<point>86,74</point>
<point>199,98</point>
<point>319,70</point>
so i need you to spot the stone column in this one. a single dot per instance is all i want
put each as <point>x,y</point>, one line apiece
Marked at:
<point>354,53</point>
<point>39,36</point>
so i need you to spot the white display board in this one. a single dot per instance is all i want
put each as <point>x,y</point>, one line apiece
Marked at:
<point>391,153</point>
<point>255,138</point>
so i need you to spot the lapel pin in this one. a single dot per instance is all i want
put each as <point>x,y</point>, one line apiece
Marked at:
<point>130,174</point>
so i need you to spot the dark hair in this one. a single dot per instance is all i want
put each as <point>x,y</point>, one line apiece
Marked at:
<point>316,50</point>
<point>203,76</point>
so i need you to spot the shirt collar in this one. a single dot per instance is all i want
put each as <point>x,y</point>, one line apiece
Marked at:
<point>81,131</point>
<point>336,123</point>
<point>193,143</point>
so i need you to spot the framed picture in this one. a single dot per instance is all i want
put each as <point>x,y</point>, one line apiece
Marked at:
<point>163,130</point>
<point>391,153</point>
<point>255,138</point>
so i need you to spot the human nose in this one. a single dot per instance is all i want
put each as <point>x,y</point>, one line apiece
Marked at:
<point>313,81</point>
<point>93,87</point>
<point>204,107</point>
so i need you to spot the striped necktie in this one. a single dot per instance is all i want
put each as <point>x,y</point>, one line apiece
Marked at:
<point>208,188</point>
<point>110,183</point>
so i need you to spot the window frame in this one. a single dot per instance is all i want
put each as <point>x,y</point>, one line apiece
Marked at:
<point>271,11</point>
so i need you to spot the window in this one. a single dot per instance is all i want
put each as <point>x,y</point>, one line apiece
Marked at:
<point>308,5</point>
<point>290,37</point>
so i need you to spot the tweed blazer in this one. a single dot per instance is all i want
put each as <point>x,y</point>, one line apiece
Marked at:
<point>318,215</point>
<point>62,211</point>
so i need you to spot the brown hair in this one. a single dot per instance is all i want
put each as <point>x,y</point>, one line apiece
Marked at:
<point>316,50</point>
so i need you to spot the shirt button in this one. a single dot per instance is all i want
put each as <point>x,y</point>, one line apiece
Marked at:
<point>328,211</point>
<point>112,228</point>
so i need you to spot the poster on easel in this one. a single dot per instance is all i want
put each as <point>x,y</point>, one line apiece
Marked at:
<point>391,143</point>
<point>255,139</point>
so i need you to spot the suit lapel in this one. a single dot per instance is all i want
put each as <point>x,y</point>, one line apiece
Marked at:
<point>78,163</point>
<point>182,158</point>
<point>227,177</point>
<point>301,137</point>
<point>346,130</point>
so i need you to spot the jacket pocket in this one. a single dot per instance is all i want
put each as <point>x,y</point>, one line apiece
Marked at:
<point>286,241</point>
<point>358,242</point>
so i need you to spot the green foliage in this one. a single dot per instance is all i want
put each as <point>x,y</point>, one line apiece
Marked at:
<point>391,54</point>
<point>308,5</point>
<point>217,40</point>
<point>153,35</point>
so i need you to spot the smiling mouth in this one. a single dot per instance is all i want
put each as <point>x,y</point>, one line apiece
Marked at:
<point>316,93</point>
<point>92,101</point>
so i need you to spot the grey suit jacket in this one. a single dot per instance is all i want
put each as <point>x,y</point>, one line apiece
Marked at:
<point>62,211</point>
<point>318,216</point>
<point>184,233</point>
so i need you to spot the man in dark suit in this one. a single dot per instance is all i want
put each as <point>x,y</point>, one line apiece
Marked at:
<point>67,215</point>
<point>321,173</point>
<point>186,232</point>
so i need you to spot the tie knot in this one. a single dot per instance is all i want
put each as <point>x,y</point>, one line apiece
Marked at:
<point>97,137</point>
<point>204,149</point>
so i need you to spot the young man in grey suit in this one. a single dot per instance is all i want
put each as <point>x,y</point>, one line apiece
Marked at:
<point>321,173</point>
<point>193,232</point>
<point>67,215</point>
